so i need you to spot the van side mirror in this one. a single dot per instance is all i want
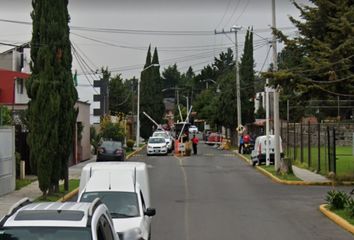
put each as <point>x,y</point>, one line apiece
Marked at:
<point>150,212</point>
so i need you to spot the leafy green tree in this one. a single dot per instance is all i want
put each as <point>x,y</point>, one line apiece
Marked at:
<point>247,80</point>
<point>51,112</point>
<point>5,116</point>
<point>151,99</point>
<point>171,78</point>
<point>120,95</point>
<point>227,110</point>
<point>224,63</point>
<point>323,49</point>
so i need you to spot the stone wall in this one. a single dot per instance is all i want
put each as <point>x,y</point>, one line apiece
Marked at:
<point>7,160</point>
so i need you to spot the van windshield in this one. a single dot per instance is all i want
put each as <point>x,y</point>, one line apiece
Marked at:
<point>120,204</point>
<point>45,233</point>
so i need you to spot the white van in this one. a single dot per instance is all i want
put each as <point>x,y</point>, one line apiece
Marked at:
<point>258,154</point>
<point>140,170</point>
<point>124,188</point>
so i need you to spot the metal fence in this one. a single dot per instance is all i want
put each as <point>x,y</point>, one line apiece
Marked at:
<point>323,147</point>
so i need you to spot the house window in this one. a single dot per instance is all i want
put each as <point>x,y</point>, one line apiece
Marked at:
<point>19,85</point>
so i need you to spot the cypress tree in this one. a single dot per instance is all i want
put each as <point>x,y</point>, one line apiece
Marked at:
<point>51,112</point>
<point>247,80</point>
<point>151,100</point>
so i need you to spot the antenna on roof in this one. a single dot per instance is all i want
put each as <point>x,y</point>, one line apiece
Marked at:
<point>109,187</point>
<point>90,171</point>
<point>134,179</point>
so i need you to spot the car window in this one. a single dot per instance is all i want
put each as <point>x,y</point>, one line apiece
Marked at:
<point>156,140</point>
<point>45,233</point>
<point>111,145</point>
<point>119,204</point>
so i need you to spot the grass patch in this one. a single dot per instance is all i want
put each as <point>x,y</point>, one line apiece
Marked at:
<point>20,183</point>
<point>128,151</point>
<point>287,177</point>
<point>343,214</point>
<point>315,158</point>
<point>73,184</point>
<point>270,169</point>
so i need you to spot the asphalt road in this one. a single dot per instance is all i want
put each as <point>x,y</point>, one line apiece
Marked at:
<point>214,195</point>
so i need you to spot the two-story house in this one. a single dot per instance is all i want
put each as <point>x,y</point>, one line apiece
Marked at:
<point>14,70</point>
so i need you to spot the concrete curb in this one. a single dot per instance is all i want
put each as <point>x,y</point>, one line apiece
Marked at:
<point>278,180</point>
<point>337,219</point>
<point>69,195</point>
<point>135,152</point>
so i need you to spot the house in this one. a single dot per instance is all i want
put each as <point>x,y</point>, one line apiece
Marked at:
<point>13,94</point>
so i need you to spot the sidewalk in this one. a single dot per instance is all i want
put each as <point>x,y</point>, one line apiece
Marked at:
<point>32,191</point>
<point>308,176</point>
<point>303,174</point>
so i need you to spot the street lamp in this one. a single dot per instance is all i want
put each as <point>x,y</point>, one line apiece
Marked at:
<point>213,81</point>
<point>138,107</point>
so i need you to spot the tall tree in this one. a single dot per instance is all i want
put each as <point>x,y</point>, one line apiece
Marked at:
<point>151,100</point>
<point>326,43</point>
<point>171,79</point>
<point>247,80</point>
<point>120,95</point>
<point>51,112</point>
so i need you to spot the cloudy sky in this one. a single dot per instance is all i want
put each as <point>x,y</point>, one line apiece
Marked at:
<point>117,33</point>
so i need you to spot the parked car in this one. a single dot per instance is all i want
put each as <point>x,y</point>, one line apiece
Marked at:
<point>157,145</point>
<point>123,188</point>
<point>258,154</point>
<point>110,151</point>
<point>206,134</point>
<point>49,220</point>
<point>193,129</point>
<point>214,138</point>
<point>169,139</point>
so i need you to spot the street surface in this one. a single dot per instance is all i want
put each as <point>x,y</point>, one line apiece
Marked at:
<point>214,195</point>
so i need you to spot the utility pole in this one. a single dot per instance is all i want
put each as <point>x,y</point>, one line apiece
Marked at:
<point>235,29</point>
<point>267,121</point>
<point>276,96</point>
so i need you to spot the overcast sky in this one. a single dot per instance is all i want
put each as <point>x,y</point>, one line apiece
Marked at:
<point>125,53</point>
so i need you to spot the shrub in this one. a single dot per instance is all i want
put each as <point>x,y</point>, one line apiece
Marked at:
<point>350,207</point>
<point>130,144</point>
<point>337,199</point>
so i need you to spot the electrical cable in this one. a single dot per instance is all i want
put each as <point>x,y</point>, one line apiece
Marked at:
<point>81,65</point>
<point>226,10</point>
<point>233,12</point>
<point>243,11</point>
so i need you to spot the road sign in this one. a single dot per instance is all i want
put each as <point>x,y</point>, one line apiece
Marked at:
<point>240,129</point>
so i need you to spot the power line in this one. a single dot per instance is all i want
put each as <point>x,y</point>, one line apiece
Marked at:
<point>234,11</point>
<point>81,64</point>
<point>243,11</point>
<point>144,32</point>
<point>226,10</point>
